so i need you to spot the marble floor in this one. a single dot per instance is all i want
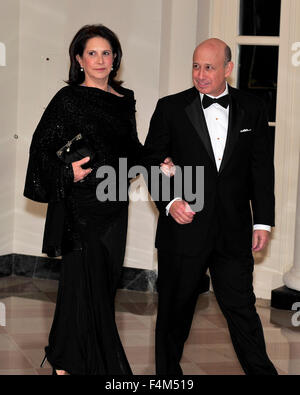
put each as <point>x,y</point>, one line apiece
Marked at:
<point>27,307</point>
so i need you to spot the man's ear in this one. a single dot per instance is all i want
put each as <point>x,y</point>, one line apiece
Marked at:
<point>228,69</point>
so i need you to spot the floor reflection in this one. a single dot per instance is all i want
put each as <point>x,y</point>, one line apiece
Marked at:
<point>29,306</point>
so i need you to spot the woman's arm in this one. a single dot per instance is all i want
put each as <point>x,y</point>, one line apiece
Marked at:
<point>48,178</point>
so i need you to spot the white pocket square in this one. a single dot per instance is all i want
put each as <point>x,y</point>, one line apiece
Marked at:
<point>245,130</point>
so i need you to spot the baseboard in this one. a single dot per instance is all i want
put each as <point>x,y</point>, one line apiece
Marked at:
<point>49,268</point>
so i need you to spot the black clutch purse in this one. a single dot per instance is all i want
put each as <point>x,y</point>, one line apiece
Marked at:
<point>76,149</point>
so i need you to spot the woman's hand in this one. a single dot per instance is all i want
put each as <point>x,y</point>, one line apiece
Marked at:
<point>168,167</point>
<point>79,172</point>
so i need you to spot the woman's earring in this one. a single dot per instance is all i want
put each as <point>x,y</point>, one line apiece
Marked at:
<point>81,69</point>
<point>112,68</point>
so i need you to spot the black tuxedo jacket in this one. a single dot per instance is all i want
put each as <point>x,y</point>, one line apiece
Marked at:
<point>240,193</point>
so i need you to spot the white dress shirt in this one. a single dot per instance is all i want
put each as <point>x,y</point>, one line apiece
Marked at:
<point>216,117</point>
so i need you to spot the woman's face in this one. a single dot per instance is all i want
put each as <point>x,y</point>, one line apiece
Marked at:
<point>97,60</point>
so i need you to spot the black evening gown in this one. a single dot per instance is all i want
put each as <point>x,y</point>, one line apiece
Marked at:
<point>84,339</point>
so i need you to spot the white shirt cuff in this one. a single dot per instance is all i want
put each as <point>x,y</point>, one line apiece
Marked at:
<point>170,204</point>
<point>255,227</point>
<point>262,227</point>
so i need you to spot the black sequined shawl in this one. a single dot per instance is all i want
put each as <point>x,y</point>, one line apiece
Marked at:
<point>106,120</point>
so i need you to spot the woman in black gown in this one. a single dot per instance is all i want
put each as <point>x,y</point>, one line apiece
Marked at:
<point>88,233</point>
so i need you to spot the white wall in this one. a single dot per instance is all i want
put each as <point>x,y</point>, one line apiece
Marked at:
<point>46,30</point>
<point>157,61</point>
<point>9,37</point>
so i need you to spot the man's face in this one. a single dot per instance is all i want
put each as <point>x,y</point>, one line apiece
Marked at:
<point>209,69</point>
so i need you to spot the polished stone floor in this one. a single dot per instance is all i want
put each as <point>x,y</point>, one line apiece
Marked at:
<point>27,306</point>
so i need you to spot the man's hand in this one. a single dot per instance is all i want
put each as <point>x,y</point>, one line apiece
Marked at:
<point>260,240</point>
<point>181,212</point>
<point>168,167</point>
<point>79,172</point>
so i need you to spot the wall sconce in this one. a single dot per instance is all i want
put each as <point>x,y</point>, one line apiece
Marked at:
<point>2,55</point>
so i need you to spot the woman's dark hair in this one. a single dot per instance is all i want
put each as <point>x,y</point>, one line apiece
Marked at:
<point>77,46</point>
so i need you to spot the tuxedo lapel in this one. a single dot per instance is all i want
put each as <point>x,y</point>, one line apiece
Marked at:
<point>195,114</point>
<point>236,114</point>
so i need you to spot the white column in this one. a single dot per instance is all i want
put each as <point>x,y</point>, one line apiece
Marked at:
<point>292,278</point>
<point>178,41</point>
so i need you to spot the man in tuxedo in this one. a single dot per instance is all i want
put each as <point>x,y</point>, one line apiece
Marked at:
<point>226,131</point>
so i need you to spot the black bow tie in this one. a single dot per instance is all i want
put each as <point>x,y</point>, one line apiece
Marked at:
<point>208,101</point>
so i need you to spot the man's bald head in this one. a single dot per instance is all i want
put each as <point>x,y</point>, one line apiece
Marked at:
<point>211,66</point>
<point>218,45</point>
